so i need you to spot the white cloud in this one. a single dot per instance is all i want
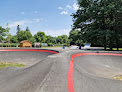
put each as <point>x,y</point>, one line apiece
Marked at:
<point>69,7</point>
<point>36,20</point>
<point>54,32</point>
<point>60,8</point>
<point>75,6</point>
<point>22,13</point>
<point>21,22</point>
<point>64,12</point>
<point>57,32</point>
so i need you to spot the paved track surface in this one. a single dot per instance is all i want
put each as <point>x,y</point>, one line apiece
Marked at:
<point>46,72</point>
<point>26,79</point>
<point>95,73</point>
<point>27,57</point>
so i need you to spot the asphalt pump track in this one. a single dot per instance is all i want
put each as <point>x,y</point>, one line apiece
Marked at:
<point>47,71</point>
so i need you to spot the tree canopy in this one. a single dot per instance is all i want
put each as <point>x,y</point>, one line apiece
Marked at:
<point>99,22</point>
<point>3,32</point>
<point>24,35</point>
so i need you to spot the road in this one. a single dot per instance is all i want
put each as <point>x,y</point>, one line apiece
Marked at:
<point>47,72</point>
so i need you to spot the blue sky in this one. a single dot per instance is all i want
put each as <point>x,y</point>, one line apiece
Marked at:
<point>50,16</point>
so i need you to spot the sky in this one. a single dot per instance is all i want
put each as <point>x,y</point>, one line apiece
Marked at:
<point>50,16</point>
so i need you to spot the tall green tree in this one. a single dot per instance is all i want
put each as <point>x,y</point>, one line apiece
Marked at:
<point>3,32</point>
<point>99,21</point>
<point>24,35</point>
<point>27,29</point>
<point>40,37</point>
<point>74,36</point>
<point>59,40</point>
<point>14,39</point>
<point>18,29</point>
<point>32,40</point>
<point>65,38</point>
<point>51,39</point>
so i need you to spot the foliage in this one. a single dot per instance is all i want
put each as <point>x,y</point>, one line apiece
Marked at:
<point>74,36</point>
<point>3,32</point>
<point>27,29</point>
<point>23,35</point>
<point>14,39</point>
<point>50,44</point>
<point>32,40</point>
<point>51,39</point>
<point>7,39</point>
<point>7,44</point>
<point>40,37</point>
<point>79,42</point>
<point>62,39</point>
<point>99,21</point>
<point>18,29</point>
<point>40,45</point>
<point>10,64</point>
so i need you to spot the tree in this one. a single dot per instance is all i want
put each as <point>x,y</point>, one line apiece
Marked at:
<point>3,33</point>
<point>65,38</point>
<point>18,29</point>
<point>14,39</point>
<point>59,40</point>
<point>23,35</point>
<point>8,38</point>
<point>27,29</point>
<point>99,21</point>
<point>40,37</point>
<point>51,39</point>
<point>79,42</point>
<point>32,40</point>
<point>74,36</point>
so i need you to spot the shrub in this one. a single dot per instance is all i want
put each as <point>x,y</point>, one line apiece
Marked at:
<point>33,45</point>
<point>13,45</point>
<point>50,44</point>
<point>40,45</point>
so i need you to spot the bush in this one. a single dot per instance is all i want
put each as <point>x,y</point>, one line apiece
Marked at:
<point>50,44</point>
<point>9,45</point>
<point>58,45</point>
<point>40,45</point>
<point>3,45</point>
<point>33,45</point>
<point>13,45</point>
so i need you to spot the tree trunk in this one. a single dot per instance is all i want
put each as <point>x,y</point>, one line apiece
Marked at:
<point>117,43</point>
<point>105,42</point>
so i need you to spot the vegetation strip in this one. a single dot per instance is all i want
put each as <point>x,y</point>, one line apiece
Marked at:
<point>119,77</point>
<point>10,64</point>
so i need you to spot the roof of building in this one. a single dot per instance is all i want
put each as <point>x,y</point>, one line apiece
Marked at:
<point>25,41</point>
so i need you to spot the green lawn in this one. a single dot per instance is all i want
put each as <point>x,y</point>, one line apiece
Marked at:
<point>9,64</point>
<point>120,49</point>
<point>52,47</point>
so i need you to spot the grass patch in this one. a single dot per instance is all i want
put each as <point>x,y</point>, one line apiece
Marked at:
<point>10,64</point>
<point>52,47</point>
<point>115,49</point>
<point>118,77</point>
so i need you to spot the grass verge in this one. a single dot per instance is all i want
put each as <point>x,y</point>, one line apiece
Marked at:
<point>118,77</point>
<point>10,64</point>
<point>115,49</point>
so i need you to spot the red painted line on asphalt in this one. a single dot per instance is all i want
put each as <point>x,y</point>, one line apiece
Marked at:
<point>71,66</point>
<point>29,50</point>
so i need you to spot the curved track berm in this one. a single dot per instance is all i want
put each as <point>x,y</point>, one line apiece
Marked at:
<point>28,78</point>
<point>46,71</point>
